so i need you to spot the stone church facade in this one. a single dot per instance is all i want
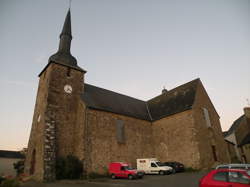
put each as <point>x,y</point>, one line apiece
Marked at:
<point>99,126</point>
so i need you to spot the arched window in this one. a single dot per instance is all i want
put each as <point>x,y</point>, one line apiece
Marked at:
<point>33,162</point>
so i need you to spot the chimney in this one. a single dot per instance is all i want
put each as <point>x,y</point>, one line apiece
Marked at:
<point>164,90</point>
<point>247,112</point>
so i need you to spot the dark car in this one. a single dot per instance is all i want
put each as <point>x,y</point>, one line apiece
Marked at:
<point>177,166</point>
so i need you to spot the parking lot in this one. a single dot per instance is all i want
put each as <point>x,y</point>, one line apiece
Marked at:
<point>189,179</point>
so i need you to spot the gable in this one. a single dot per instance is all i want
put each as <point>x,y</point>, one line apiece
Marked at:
<point>235,125</point>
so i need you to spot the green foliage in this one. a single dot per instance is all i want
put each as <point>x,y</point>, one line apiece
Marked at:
<point>19,167</point>
<point>94,175</point>
<point>10,183</point>
<point>190,169</point>
<point>68,168</point>
<point>1,179</point>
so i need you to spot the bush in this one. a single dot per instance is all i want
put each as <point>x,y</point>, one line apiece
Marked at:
<point>68,168</point>
<point>10,183</point>
<point>19,167</point>
<point>94,175</point>
<point>190,169</point>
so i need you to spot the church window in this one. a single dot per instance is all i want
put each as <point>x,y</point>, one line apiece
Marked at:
<point>214,153</point>
<point>206,117</point>
<point>39,118</point>
<point>120,135</point>
<point>68,72</point>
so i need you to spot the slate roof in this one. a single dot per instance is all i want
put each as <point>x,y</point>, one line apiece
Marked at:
<point>234,126</point>
<point>10,154</point>
<point>174,101</point>
<point>246,140</point>
<point>105,100</point>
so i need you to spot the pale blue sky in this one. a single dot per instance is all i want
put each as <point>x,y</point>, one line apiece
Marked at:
<point>134,47</point>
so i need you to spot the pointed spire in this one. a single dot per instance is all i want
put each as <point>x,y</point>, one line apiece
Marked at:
<point>67,25</point>
<point>63,55</point>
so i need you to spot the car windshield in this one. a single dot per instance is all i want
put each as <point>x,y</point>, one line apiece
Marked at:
<point>128,168</point>
<point>160,164</point>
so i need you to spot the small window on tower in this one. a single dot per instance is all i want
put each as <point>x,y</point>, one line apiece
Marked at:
<point>39,118</point>
<point>68,72</point>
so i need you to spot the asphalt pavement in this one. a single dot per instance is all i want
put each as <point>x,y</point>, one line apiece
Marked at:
<point>187,179</point>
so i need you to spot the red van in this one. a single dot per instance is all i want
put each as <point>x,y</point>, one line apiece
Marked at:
<point>123,170</point>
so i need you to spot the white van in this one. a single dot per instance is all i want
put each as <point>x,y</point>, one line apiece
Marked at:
<point>152,166</point>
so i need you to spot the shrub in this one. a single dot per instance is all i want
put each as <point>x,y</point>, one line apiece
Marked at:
<point>68,168</point>
<point>10,183</point>
<point>190,169</point>
<point>94,175</point>
<point>19,167</point>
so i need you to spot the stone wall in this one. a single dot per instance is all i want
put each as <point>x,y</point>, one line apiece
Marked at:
<point>232,152</point>
<point>57,128</point>
<point>67,107</point>
<point>36,140</point>
<point>246,152</point>
<point>173,139</point>
<point>102,146</point>
<point>208,136</point>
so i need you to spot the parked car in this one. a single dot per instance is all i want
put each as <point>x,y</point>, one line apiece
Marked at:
<point>226,178</point>
<point>234,166</point>
<point>177,166</point>
<point>153,166</point>
<point>123,170</point>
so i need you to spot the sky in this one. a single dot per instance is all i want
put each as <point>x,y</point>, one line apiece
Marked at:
<point>133,47</point>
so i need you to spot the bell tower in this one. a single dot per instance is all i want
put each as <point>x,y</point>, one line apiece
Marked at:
<point>61,84</point>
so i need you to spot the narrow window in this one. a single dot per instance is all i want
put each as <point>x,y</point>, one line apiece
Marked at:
<point>206,116</point>
<point>33,162</point>
<point>39,118</point>
<point>120,135</point>
<point>241,149</point>
<point>214,153</point>
<point>68,72</point>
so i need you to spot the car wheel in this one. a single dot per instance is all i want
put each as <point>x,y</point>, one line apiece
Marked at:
<point>130,177</point>
<point>113,176</point>
<point>161,172</point>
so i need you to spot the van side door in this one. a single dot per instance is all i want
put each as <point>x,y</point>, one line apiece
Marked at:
<point>154,168</point>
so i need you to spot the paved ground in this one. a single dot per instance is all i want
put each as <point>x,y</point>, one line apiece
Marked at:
<point>178,180</point>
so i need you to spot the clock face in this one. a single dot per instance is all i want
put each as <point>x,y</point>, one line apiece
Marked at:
<point>68,89</point>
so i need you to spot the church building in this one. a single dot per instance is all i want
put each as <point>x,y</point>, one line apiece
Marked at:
<point>100,126</point>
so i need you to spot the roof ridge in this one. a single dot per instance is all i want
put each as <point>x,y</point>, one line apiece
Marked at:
<point>173,89</point>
